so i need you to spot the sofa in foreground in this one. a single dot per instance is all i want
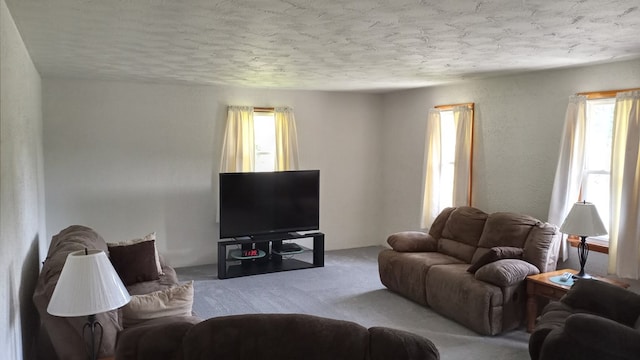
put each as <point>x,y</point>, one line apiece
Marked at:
<point>594,320</point>
<point>156,293</point>
<point>271,336</point>
<point>471,266</point>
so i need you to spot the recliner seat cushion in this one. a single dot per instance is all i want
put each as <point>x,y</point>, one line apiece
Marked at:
<point>405,272</point>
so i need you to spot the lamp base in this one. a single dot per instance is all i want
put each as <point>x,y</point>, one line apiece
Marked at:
<point>583,276</point>
<point>583,252</point>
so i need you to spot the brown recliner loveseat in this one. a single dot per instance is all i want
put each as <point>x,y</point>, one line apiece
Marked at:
<point>471,266</point>
<point>271,336</point>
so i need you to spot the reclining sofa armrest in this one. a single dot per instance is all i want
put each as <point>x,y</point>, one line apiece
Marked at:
<point>604,299</point>
<point>588,336</point>
<point>412,241</point>
<point>506,272</point>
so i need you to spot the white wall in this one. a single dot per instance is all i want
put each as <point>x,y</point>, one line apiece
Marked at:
<point>518,125</point>
<point>130,158</point>
<point>22,225</point>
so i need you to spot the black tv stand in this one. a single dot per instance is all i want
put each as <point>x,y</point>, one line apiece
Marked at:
<point>274,236</point>
<point>277,259</point>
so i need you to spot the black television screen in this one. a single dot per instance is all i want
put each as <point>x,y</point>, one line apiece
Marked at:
<point>261,203</point>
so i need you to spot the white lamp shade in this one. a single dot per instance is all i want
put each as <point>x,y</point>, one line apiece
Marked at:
<point>88,285</point>
<point>583,220</point>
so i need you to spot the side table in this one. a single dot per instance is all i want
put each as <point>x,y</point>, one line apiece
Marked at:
<point>540,285</point>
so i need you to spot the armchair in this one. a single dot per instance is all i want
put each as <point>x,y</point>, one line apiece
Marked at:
<point>594,320</point>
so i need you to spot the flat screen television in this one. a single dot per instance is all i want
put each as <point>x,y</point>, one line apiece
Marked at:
<point>264,203</point>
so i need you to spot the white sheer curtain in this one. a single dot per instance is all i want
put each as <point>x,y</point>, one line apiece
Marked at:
<point>463,118</point>
<point>432,161</point>
<point>570,168</point>
<point>432,202</point>
<point>286,139</point>
<point>238,148</point>
<point>624,234</point>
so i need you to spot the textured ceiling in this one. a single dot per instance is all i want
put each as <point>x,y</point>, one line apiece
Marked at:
<point>321,45</point>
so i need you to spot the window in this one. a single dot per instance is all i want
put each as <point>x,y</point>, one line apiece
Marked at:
<point>448,153</point>
<point>259,139</point>
<point>264,128</point>
<point>447,158</point>
<point>597,165</point>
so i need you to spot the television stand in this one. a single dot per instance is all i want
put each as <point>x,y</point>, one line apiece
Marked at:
<point>276,259</point>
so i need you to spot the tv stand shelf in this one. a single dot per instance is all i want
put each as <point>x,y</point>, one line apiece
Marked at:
<point>274,261</point>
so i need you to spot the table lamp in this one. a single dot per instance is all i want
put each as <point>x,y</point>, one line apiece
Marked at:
<point>88,285</point>
<point>583,220</point>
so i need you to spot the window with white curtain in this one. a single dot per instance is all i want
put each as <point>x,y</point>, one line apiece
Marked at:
<point>448,154</point>
<point>596,177</point>
<point>259,139</point>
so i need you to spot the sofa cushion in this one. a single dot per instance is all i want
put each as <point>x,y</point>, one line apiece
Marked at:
<point>412,241</point>
<point>135,263</point>
<point>276,336</point>
<point>456,249</point>
<point>506,272</point>
<point>541,246</point>
<point>159,338</point>
<point>494,254</point>
<point>506,229</point>
<point>405,272</point>
<point>150,236</point>
<point>174,301</point>
<point>465,225</point>
<point>440,221</point>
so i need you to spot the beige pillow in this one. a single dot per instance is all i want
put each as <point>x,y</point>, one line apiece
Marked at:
<point>174,301</point>
<point>150,236</point>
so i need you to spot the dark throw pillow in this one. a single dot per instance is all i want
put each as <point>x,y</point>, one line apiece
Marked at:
<point>135,263</point>
<point>495,254</point>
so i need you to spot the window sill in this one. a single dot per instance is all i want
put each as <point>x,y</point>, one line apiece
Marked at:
<point>594,245</point>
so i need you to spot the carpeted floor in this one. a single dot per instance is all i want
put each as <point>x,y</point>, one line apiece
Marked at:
<point>348,288</point>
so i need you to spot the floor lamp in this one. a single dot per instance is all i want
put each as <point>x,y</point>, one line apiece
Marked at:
<point>583,220</point>
<point>88,285</point>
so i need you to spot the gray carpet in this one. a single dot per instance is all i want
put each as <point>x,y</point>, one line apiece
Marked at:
<point>348,288</point>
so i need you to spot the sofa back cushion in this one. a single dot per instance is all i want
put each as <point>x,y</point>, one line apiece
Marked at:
<point>461,232</point>
<point>440,221</point>
<point>542,245</point>
<point>506,229</point>
<point>276,336</point>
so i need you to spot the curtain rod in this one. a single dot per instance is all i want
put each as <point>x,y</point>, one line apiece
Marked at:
<point>604,94</point>
<point>263,109</point>
<point>451,106</point>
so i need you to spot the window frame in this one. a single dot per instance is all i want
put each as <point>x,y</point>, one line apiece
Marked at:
<point>597,245</point>
<point>471,106</point>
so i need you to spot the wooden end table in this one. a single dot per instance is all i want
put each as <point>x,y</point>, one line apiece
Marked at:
<point>540,285</point>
